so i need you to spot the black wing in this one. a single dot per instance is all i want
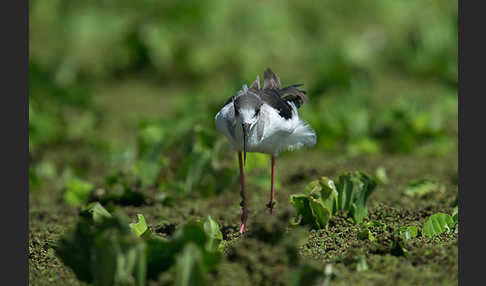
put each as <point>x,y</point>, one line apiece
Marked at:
<point>272,98</point>
<point>231,99</point>
<point>292,94</point>
<point>288,94</point>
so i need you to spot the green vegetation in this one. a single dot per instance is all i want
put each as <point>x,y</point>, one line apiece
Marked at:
<point>437,224</point>
<point>107,250</point>
<point>323,198</point>
<point>130,182</point>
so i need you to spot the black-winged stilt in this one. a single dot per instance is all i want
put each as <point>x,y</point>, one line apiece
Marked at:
<point>264,120</point>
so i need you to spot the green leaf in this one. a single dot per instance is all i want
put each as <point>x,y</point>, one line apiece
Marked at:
<point>77,191</point>
<point>328,194</point>
<point>161,254</point>
<point>421,187</point>
<point>365,234</point>
<point>320,213</point>
<point>95,211</point>
<point>140,228</point>
<point>211,228</point>
<point>354,188</point>
<point>105,253</point>
<point>437,224</point>
<point>315,207</point>
<point>322,198</point>
<point>302,209</point>
<point>193,232</point>
<point>74,250</point>
<point>455,213</point>
<point>381,175</point>
<point>407,232</point>
<point>361,264</point>
<point>190,267</point>
<point>314,186</point>
<point>119,259</point>
<point>345,193</point>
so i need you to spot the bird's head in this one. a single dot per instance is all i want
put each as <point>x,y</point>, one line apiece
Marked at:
<point>247,112</point>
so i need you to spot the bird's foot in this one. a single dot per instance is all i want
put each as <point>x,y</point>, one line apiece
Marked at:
<point>242,228</point>
<point>270,205</point>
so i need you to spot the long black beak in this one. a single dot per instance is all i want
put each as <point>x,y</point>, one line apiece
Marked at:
<point>246,128</point>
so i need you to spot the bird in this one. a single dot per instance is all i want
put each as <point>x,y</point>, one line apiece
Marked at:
<point>264,120</point>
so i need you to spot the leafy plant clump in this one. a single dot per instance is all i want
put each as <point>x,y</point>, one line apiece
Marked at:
<point>323,198</point>
<point>438,223</point>
<point>407,232</point>
<point>77,191</point>
<point>422,187</point>
<point>105,249</point>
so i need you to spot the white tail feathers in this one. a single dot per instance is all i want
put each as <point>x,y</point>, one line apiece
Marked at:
<point>303,135</point>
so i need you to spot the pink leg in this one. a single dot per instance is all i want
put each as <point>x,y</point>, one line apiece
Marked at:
<point>244,215</point>
<point>272,203</point>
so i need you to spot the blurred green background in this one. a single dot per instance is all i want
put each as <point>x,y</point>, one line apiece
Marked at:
<point>123,93</point>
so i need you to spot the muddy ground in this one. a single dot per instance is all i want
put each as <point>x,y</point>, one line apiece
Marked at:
<point>252,259</point>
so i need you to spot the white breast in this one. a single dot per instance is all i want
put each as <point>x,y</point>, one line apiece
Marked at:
<point>278,133</point>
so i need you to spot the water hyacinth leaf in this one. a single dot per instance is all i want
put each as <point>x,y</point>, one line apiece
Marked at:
<point>106,253</point>
<point>79,261</point>
<point>322,198</point>
<point>345,192</point>
<point>314,186</point>
<point>320,213</point>
<point>358,212</point>
<point>421,187</point>
<point>328,194</point>
<point>193,232</point>
<point>407,232</point>
<point>211,228</point>
<point>140,228</point>
<point>316,206</point>
<point>190,267</point>
<point>118,259</point>
<point>354,188</point>
<point>77,191</point>
<point>437,224</point>
<point>160,255</point>
<point>95,211</point>
<point>381,176</point>
<point>302,209</point>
